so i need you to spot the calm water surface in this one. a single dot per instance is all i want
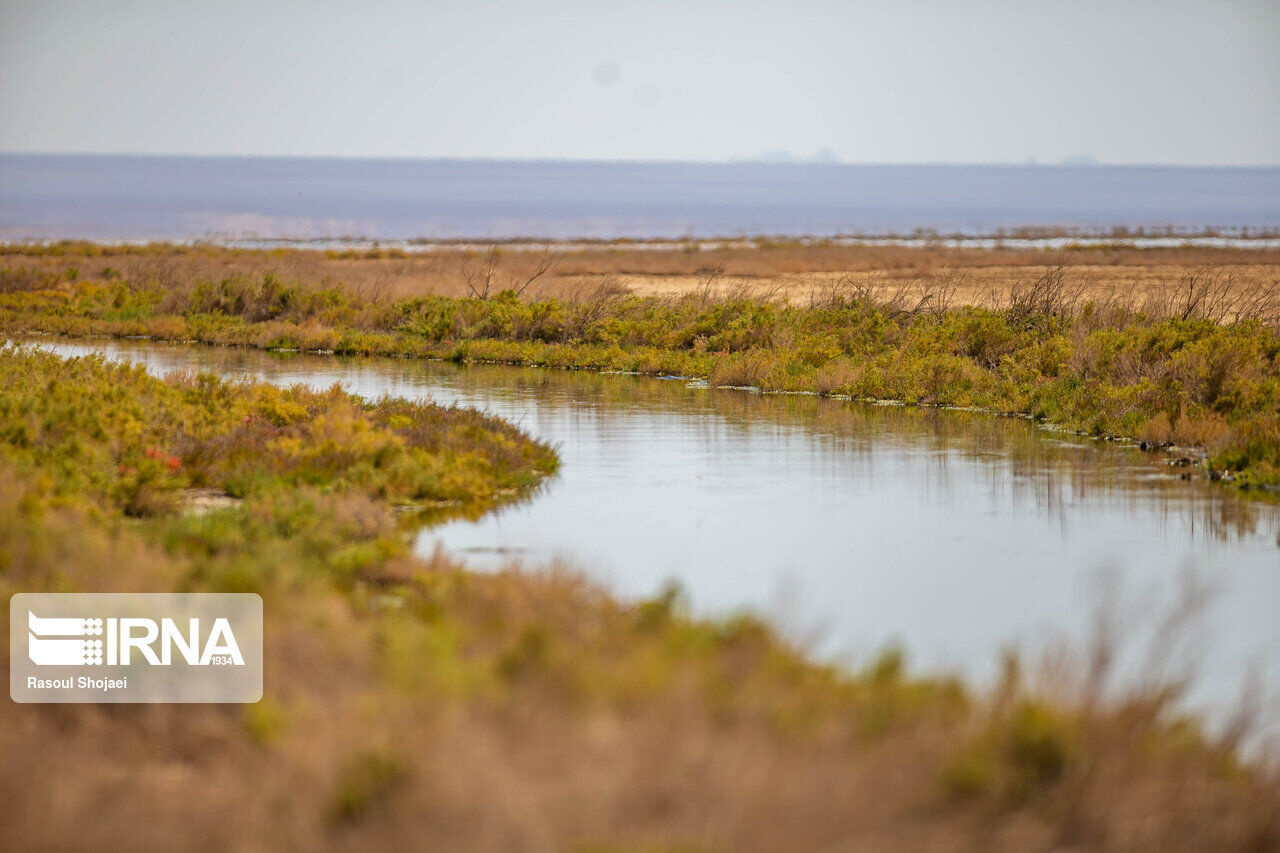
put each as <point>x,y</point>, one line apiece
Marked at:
<point>952,533</point>
<point>228,198</point>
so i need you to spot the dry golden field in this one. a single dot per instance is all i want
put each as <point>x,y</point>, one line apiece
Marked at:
<point>796,273</point>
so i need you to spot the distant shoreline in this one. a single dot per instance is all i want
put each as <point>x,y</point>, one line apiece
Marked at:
<point>1048,239</point>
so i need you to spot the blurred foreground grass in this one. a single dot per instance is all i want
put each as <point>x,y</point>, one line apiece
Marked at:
<point>409,702</point>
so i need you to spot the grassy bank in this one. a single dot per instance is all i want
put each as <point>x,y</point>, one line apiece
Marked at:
<point>320,470</point>
<point>409,702</point>
<point>1196,364</point>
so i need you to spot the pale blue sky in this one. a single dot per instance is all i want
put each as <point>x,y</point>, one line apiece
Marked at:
<point>1180,81</point>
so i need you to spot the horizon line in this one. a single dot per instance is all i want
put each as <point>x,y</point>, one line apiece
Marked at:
<point>1029,163</point>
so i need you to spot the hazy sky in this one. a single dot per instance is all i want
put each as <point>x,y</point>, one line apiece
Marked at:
<point>980,81</point>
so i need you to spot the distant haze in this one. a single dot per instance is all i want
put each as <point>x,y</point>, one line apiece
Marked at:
<point>149,197</point>
<point>1121,81</point>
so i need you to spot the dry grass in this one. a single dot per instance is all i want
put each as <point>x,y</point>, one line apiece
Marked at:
<point>356,749</point>
<point>792,272</point>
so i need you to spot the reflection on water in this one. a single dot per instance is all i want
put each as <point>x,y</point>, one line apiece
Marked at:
<point>953,533</point>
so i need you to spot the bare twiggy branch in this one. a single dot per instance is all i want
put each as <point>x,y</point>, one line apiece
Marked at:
<point>481,274</point>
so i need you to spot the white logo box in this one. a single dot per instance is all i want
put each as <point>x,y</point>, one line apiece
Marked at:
<point>135,647</point>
